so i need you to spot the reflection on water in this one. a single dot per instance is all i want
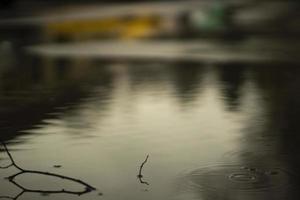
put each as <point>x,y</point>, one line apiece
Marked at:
<point>232,79</point>
<point>98,119</point>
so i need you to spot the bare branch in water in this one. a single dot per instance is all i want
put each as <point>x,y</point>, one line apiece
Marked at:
<point>140,175</point>
<point>13,163</point>
<point>13,198</point>
<point>87,187</point>
<point>7,166</point>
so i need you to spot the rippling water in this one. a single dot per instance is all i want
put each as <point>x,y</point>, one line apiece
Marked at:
<point>97,120</point>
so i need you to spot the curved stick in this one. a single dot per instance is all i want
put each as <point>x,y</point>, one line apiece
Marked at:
<point>140,175</point>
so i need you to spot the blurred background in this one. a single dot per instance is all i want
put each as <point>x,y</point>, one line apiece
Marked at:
<point>208,88</point>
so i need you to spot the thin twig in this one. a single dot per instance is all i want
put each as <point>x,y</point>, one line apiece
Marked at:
<point>13,163</point>
<point>13,198</point>
<point>140,175</point>
<point>87,187</point>
<point>6,167</point>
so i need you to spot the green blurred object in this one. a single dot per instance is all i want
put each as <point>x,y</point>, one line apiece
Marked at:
<point>212,19</point>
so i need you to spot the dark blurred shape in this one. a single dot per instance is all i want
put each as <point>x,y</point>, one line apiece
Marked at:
<point>5,4</point>
<point>187,79</point>
<point>232,78</point>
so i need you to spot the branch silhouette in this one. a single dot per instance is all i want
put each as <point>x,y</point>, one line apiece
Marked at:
<point>87,187</point>
<point>140,175</point>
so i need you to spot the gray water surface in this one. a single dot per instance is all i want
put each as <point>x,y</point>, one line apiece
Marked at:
<point>211,131</point>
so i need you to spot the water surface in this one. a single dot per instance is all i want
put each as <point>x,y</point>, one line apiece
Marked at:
<point>211,131</point>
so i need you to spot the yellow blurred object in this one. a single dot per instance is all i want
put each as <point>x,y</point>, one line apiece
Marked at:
<point>130,27</point>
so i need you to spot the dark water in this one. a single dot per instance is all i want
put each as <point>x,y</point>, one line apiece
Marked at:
<point>211,131</point>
